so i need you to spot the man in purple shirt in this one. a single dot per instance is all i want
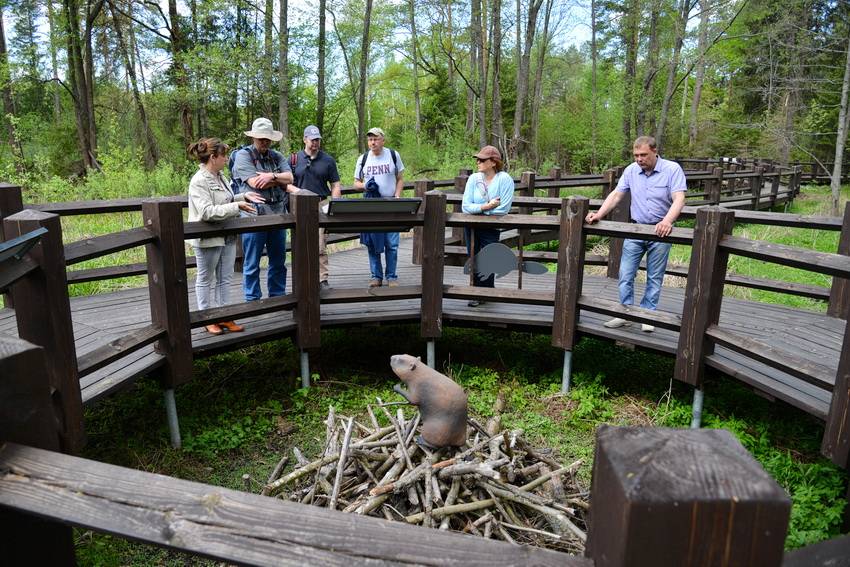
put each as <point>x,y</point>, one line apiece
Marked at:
<point>658,190</point>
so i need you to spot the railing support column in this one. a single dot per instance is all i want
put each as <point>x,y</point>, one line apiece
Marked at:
<point>11,202</point>
<point>420,188</point>
<point>305,277</point>
<point>619,214</point>
<point>839,293</point>
<point>755,187</point>
<point>460,186</point>
<point>725,511</point>
<point>169,299</point>
<point>43,314</point>
<point>433,264</point>
<point>703,293</point>
<point>696,408</point>
<point>568,280</point>
<point>27,417</point>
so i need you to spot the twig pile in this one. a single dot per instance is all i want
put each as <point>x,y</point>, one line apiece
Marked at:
<point>497,486</point>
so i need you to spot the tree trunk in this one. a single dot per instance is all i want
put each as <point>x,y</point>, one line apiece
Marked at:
<point>54,65</point>
<point>77,83</point>
<point>482,76</point>
<point>542,48</point>
<point>646,105</point>
<point>522,77</point>
<point>594,108</point>
<point>700,76</point>
<point>8,99</point>
<point>669,91</point>
<point>415,57</point>
<point>151,149</point>
<point>320,88</point>
<point>364,65</point>
<point>841,137</point>
<point>283,75</point>
<point>181,78</point>
<point>497,125</point>
<point>630,39</point>
<point>268,47</point>
<point>92,12</point>
<point>474,46</point>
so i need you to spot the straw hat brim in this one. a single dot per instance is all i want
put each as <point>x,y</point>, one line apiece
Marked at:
<point>273,135</point>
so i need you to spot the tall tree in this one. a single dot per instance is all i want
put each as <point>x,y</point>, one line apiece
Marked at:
<point>54,63</point>
<point>841,136</point>
<point>482,73</point>
<point>646,104</point>
<point>536,99</point>
<point>523,73</point>
<point>702,47</point>
<point>497,127</point>
<point>594,89</point>
<point>364,64</point>
<point>179,73</point>
<point>283,74</point>
<point>6,89</point>
<point>680,25</point>
<point>80,86</point>
<point>320,87</point>
<point>629,32</point>
<point>269,58</point>
<point>417,124</point>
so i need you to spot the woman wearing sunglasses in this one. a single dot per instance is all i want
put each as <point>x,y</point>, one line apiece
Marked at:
<point>490,191</point>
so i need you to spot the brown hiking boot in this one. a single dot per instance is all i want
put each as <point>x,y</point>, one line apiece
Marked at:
<point>214,329</point>
<point>232,326</point>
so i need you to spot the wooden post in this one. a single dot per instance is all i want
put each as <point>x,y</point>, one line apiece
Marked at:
<point>420,188</point>
<point>839,294</point>
<point>11,202</point>
<point>569,276</point>
<point>836,437</point>
<point>671,497</point>
<point>715,186</point>
<point>527,180</point>
<point>554,192</point>
<point>774,185</point>
<point>619,214</point>
<point>755,187</point>
<point>733,179</point>
<point>703,292</point>
<point>305,269</point>
<point>27,418</point>
<point>460,186</point>
<point>433,251</point>
<point>167,286</point>
<point>43,313</point>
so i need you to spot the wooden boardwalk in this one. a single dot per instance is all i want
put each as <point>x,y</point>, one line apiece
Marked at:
<point>813,337</point>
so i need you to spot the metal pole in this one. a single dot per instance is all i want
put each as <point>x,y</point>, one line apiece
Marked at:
<point>171,413</point>
<point>696,418</point>
<point>568,370</point>
<point>431,355</point>
<point>305,369</point>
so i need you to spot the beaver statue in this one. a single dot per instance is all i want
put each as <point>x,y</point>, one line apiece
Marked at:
<point>442,403</point>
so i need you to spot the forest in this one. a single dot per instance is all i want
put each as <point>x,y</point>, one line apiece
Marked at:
<point>111,86</point>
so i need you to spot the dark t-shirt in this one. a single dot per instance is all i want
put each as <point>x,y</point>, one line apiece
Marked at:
<point>315,174</point>
<point>248,163</point>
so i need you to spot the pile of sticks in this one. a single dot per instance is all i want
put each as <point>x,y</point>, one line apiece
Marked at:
<point>496,486</point>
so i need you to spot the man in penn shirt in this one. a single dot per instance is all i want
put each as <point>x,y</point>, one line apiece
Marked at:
<point>382,167</point>
<point>657,187</point>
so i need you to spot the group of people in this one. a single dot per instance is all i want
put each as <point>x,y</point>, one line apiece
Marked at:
<point>263,179</point>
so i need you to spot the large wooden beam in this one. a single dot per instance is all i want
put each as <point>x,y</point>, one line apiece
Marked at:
<point>668,497</point>
<point>420,189</point>
<point>703,293</point>
<point>43,314</point>
<point>836,437</point>
<point>839,294</point>
<point>570,272</point>
<point>305,269</point>
<point>27,417</point>
<point>11,202</point>
<point>231,526</point>
<point>168,288</point>
<point>433,264</point>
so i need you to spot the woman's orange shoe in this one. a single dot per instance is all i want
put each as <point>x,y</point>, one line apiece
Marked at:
<point>214,329</point>
<point>232,326</point>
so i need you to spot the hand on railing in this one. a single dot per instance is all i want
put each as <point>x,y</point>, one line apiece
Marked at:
<point>247,207</point>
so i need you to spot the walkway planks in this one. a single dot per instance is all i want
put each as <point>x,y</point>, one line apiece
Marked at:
<point>811,336</point>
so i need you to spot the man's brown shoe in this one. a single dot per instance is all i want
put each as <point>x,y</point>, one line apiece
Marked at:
<point>232,327</point>
<point>214,329</point>
<point>392,283</point>
<point>375,283</point>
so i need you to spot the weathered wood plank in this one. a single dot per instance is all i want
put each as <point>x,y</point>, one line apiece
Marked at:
<point>836,438</point>
<point>231,526</point>
<point>239,310</point>
<point>832,553</point>
<point>349,295</point>
<point>839,294</point>
<point>43,316</point>
<point>98,246</point>
<point>118,348</point>
<point>568,279</point>
<point>792,256</point>
<point>667,497</point>
<point>14,271</point>
<point>167,288</point>
<point>433,265</point>
<point>305,267</point>
<point>703,293</point>
<point>671,321</point>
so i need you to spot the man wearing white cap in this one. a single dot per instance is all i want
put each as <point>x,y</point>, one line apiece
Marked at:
<point>316,171</point>
<point>261,169</point>
<point>379,173</point>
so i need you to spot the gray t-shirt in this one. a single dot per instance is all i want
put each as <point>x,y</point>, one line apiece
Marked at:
<point>381,169</point>
<point>247,163</point>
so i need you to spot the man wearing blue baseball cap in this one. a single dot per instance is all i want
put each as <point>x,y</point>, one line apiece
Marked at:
<point>316,171</point>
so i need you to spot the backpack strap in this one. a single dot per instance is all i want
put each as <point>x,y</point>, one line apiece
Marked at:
<point>393,154</point>
<point>293,160</point>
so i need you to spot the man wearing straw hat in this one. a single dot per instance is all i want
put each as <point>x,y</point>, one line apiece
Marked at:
<point>259,168</point>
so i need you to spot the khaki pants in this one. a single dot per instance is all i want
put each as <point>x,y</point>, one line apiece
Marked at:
<point>323,249</point>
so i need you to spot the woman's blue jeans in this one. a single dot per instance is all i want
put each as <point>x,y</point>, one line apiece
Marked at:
<point>656,262</point>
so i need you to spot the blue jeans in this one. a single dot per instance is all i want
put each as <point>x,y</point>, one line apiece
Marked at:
<point>215,270</point>
<point>391,252</point>
<point>656,262</point>
<point>252,247</point>
<point>483,237</point>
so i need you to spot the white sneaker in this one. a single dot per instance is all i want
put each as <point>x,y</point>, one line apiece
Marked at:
<point>616,322</point>
<point>646,328</point>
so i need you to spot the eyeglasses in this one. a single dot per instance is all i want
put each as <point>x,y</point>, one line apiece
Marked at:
<point>481,160</point>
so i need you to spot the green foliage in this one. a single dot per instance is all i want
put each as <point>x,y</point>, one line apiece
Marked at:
<point>231,431</point>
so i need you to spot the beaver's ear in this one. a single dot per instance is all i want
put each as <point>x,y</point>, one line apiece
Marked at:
<point>419,358</point>
<point>414,363</point>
